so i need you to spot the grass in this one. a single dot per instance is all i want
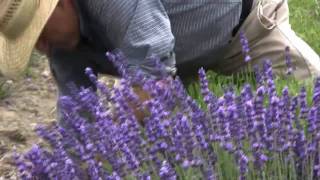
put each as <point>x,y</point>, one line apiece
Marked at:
<point>219,83</point>
<point>305,20</point>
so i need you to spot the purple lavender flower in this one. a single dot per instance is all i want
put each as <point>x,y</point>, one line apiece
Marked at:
<point>23,167</point>
<point>51,136</point>
<point>159,67</point>
<point>246,93</point>
<point>312,118</point>
<point>208,172</point>
<point>132,161</point>
<point>118,60</point>
<point>288,61</point>
<point>271,88</point>
<point>299,149</point>
<point>199,119</point>
<point>236,123</point>
<point>259,123</point>
<point>89,72</point>
<point>260,160</point>
<point>303,103</point>
<point>225,135</point>
<point>181,95</point>
<point>245,47</point>
<point>177,139</point>
<point>292,111</point>
<point>205,91</point>
<point>190,144</point>
<point>316,92</point>
<point>243,163</point>
<point>114,176</point>
<point>249,113</point>
<point>267,69</point>
<point>316,168</point>
<point>286,124</point>
<point>258,137</point>
<point>210,101</point>
<point>273,123</point>
<point>240,117</point>
<point>167,172</point>
<point>258,75</point>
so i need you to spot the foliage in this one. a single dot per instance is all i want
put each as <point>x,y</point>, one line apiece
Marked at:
<point>259,132</point>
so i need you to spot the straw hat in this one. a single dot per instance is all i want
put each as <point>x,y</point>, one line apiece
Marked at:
<point>21,23</point>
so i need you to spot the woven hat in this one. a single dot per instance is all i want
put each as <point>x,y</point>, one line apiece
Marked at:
<point>21,23</point>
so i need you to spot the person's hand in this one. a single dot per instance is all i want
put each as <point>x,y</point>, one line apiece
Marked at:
<point>112,81</point>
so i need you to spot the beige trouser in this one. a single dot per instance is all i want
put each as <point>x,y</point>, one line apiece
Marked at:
<point>269,32</point>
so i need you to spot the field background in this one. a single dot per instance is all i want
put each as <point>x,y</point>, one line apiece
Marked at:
<point>305,20</point>
<point>31,100</point>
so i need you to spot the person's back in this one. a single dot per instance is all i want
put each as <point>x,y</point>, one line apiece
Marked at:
<point>190,32</point>
<point>202,28</point>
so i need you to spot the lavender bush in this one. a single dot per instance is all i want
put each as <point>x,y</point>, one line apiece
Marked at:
<point>258,133</point>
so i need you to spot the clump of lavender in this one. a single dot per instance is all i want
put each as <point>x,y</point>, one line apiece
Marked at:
<point>256,134</point>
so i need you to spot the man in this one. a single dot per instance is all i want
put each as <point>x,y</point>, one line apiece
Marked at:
<point>185,34</point>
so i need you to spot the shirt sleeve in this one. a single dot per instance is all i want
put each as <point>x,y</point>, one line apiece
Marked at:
<point>141,29</point>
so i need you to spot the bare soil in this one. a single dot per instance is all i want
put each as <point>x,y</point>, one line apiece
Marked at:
<point>31,100</point>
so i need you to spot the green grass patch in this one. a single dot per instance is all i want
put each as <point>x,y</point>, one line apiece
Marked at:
<point>305,20</point>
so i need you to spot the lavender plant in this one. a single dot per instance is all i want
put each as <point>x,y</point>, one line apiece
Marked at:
<point>258,133</point>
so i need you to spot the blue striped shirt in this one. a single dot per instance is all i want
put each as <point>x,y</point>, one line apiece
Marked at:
<point>177,31</point>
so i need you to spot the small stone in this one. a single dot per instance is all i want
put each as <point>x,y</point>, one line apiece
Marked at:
<point>14,135</point>
<point>29,80</point>
<point>33,125</point>
<point>9,82</point>
<point>45,74</point>
<point>8,115</point>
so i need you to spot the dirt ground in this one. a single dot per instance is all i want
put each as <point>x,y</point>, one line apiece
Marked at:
<point>31,100</point>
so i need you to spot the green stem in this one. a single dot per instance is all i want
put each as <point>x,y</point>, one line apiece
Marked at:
<point>279,166</point>
<point>218,167</point>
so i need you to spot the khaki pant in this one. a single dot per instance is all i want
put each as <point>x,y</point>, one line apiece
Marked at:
<point>269,32</point>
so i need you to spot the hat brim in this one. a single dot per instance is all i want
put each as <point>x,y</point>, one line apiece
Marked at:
<point>15,53</point>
